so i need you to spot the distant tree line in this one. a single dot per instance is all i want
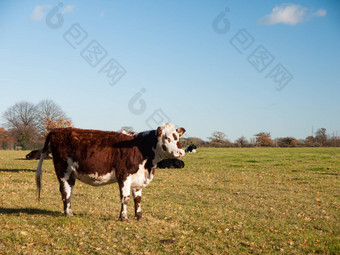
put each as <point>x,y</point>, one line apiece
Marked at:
<point>26,125</point>
<point>263,139</point>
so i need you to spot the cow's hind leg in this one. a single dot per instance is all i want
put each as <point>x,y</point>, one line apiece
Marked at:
<point>66,187</point>
<point>137,197</point>
<point>124,187</point>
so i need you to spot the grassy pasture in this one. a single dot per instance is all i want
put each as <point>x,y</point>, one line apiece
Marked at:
<point>225,201</point>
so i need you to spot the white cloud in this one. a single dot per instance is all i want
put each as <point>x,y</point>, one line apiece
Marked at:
<point>68,8</point>
<point>38,12</point>
<point>290,14</point>
<point>320,13</point>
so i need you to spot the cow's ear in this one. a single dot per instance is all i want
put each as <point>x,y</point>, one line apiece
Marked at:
<point>180,131</point>
<point>159,131</point>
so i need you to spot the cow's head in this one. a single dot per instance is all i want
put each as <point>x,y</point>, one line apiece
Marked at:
<point>168,145</point>
<point>29,155</point>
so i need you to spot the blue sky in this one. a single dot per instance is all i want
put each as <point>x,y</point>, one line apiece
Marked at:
<point>274,68</point>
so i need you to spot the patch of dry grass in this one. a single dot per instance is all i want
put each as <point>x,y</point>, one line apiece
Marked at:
<point>236,201</point>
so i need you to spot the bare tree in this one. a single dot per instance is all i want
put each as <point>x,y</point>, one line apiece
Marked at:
<point>21,115</point>
<point>21,121</point>
<point>26,122</point>
<point>242,142</point>
<point>321,136</point>
<point>219,139</point>
<point>50,115</point>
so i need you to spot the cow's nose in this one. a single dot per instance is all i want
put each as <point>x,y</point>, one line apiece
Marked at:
<point>181,154</point>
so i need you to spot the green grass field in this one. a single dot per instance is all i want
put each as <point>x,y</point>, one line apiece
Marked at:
<point>225,201</point>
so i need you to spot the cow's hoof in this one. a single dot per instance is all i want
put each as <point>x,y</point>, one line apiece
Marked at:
<point>124,219</point>
<point>69,214</point>
<point>139,216</point>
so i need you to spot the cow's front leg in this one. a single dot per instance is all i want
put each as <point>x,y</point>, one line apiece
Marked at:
<point>124,187</point>
<point>137,197</point>
<point>66,187</point>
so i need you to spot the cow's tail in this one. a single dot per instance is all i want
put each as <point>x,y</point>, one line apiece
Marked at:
<point>38,173</point>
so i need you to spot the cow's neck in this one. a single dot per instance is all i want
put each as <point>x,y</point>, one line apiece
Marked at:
<point>148,143</point>
<point>158,157</point>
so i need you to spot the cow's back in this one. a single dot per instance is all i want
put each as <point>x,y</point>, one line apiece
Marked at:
<point>94,151</point>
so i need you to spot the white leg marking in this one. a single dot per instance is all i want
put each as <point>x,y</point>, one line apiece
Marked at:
<point>71,167</point>
<point>66,191</point>
<point>125,192</point>
<point>66,188</point>
<point>137,193</point>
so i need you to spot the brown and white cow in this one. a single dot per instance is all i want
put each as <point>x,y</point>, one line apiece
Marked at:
<point>100,157</point>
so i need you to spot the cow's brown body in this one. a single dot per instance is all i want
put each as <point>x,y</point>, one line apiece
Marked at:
<point>100,151</point>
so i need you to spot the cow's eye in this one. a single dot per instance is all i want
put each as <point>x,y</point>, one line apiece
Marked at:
<point>167,138</point>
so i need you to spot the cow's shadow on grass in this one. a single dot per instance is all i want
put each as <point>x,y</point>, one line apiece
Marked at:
<point>16,170</point>
<point>36,211</point>
<point>29,211</point>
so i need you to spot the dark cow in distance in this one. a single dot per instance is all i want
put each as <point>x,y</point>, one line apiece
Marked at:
<point>36,154</point>
<point>191,148</point>
<point>170,163</point>
<point>100,157</point>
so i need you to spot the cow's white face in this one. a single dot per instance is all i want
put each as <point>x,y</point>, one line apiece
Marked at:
<point>168,141</point>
